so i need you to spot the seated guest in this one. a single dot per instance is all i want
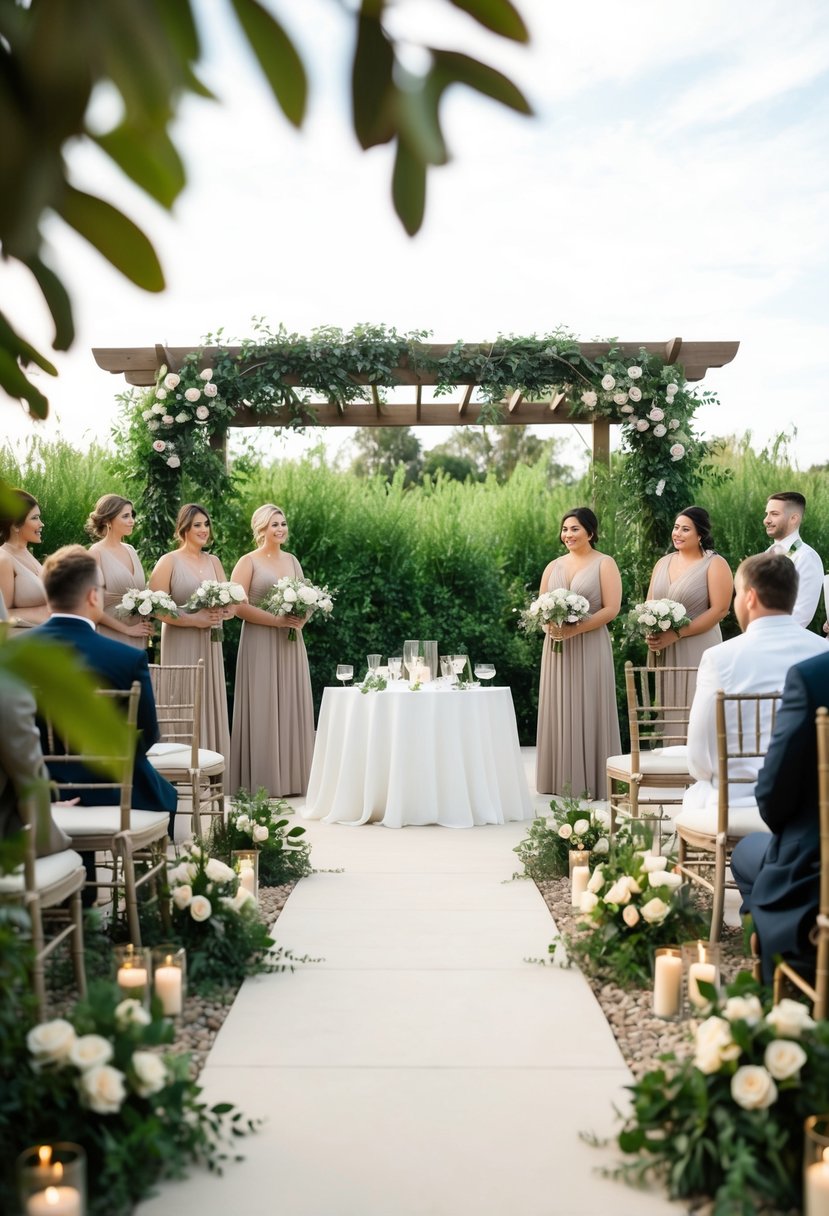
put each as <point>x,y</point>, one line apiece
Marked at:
<point>779,874</point>
<point>74,587</point>
<point>755,661</point>
<point>22,771</point>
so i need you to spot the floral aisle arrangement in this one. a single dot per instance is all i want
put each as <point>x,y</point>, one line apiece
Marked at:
<point>573,825</point>
<point>213,594</point>
<point>297,597</point>
<point>633,904</point>
<point>257,821</point>
<point>727,1122</point>
<point>99,1076</point>
<point>557,607</point>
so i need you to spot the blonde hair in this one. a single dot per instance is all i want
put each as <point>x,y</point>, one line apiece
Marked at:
<point>260,519</point>
<point>105,510</point>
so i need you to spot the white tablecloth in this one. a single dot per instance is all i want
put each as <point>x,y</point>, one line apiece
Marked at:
<point>400,757</point>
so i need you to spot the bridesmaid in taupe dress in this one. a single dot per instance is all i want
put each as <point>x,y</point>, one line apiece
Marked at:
<point>186,638</point>
<point>112,521</point>
<point>21,581</point>
<point>272,741</point>
<point>578,723</point>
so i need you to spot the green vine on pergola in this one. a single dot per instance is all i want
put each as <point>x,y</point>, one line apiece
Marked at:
<point>177,427</point>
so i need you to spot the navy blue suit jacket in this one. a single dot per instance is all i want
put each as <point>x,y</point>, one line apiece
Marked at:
<point>117,666</point>
<point>785,896</point>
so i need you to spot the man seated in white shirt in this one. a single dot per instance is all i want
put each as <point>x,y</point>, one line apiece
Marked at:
<point>755,661</point>
<point>784,514</point>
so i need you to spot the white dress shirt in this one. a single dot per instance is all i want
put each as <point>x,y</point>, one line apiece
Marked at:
<point>809,575</point>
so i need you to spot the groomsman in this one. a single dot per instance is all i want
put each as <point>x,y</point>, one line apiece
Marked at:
<point>784,513</point>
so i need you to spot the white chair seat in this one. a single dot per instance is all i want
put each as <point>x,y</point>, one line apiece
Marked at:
<point>79,821</point>
<point>173,758</point>
<point>667,760</point>
<point>48,871</point>
<point>742,820</point>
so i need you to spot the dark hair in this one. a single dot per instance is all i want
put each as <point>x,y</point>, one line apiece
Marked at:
<point>14,519</point>
<point>185,517</point>
<point>792,496</point>
<point>105,509</point>
<point>67,576</point>
<point>701,520</point>
<point>774,577</point>
<point>587,520</point>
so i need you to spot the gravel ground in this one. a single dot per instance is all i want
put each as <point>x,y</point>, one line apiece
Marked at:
<point>641,1036</point>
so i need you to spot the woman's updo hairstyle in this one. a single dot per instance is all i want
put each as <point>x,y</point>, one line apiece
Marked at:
<point>260,520</point>
<point>587,520</point>
<point>701,520</point>
<point>23,504</point>
<point>104,511</point>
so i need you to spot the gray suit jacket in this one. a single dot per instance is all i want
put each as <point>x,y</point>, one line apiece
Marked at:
<point>22,771</point>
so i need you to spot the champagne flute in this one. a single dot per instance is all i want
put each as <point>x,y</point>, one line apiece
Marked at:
<point>484,671</point>
<point>395,665</point>
<point>411,649</point>
<point>446,670</point>
<point>373,661</point>
<point>344,672</point>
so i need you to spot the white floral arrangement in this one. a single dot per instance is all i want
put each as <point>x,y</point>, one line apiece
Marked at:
<point>180,400</point>
<point>139,604</point>
<point>652,617</point>
<point>557,607</point>
<point>293,596</point>
<point>211,593</point>
<point>203,887</point>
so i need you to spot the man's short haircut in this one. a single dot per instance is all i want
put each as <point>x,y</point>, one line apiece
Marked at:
<point>790,496</point>
<point>773,577</point>
<point>67,576</point>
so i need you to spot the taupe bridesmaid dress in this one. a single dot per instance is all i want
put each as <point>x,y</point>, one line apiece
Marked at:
<point>117,580</point>
<point>182,645</point>
<point>273,712</point>
<point>29,591</point>
<point>692,591</point>
<point>578,724</point>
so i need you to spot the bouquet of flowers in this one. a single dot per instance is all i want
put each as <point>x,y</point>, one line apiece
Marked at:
<point>557,607</point>
<point>633,903</point>
<point>653,617</point>
<point>137,604</point>
<point>297,597</point>
<point>213,594</point>
<point>573,826</point>
<point>260,822</point>
<point>727,1121</point>
<point>100,1072</point>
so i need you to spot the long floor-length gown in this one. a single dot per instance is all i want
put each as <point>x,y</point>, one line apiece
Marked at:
<point>578,724</point>
<point>690,589</point>
<point>29,591</point>
<point>117,580</point>
<point>185,646</point>
<point>272,741</point>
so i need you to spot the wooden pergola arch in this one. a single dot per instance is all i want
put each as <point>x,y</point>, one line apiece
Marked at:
<point>140,365</point>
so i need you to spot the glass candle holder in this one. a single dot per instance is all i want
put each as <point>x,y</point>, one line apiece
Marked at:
<point>133,972</point>
<point>246,864</point>
<point>170,978</point>
<point>51,1180</point>
<point>816,1166</point>
<point>578,857</point>
<point>700,963</point>
<point>667,983</point>
<point>579,860</point>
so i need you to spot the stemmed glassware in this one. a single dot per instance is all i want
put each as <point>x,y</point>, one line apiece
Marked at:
<point>373,661</point>
<point>447,671</point>
<point>344,672</point>
<point>395,665</point>
<point>484,671</point>
<point>459,662</point>
<point>411,650</point>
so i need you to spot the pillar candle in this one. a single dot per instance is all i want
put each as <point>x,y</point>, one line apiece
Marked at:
<point>696,972</point>
<point>578,884</point>
<point>168,989</point>
<point>55,1201</point>
<point>816,1189</point>
<point>132,977</point>
<point>247,878</point>
<point>667,985</point>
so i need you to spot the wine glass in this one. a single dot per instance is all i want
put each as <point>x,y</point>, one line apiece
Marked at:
<point>446,669</point>
<point>459,662</point>
<point>484,671</point>
<point>373,661</point>
<point>395,664</point>
<point>344,672</point>
<point>411,651</point>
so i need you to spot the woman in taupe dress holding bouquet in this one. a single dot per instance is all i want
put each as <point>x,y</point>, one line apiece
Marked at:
<point>111,522</point>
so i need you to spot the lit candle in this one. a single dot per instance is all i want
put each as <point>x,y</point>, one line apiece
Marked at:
<point>55,1201</point>
<point>816,1188</point>
<point>578,884</point>
<point>667,985</point>
<point>130,978</point>
<point>168,987</point>
<point>700,970</point>
<point>247,877</point>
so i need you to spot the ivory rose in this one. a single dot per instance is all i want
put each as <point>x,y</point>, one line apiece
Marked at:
<point>182,896</point>
<point>620,398</point>
<point>173,461</point>
<point>642,424</point>
<point>202,413</point>
<point>659,430</point>
<point>260,832</point>
<point>192,394</point>
<point>581,826</point>
<point>172,381</point>
<point>218,871</point>
<point>660,878</point>
<point>789,1018</point>
<point>200,908</point>
<point>210,390</point>
<point>206,373</point>
<point>744,1009</point>
<point>89,1051</point>
<point>634,372</point>
<point>50,1042</point>
<point>630,916</point>
<point>150,1073</point>
<point>656,414</point>
<point>677,451</point>
<point>131,1013</point>
<point>655,911</point>
<point>159,445</point>
<point>601,846</point>
<point>596,881</point>
<point>589,901</point>
<point>608,382</point>
<point>102,1089</point>
<point>654,861</point>
<point>635,393</point>
<point>784,1059</point>
<point>589,399</point>
<point>753,1088</point>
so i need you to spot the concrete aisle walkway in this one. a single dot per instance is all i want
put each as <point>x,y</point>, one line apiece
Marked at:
<point>422,1069</point>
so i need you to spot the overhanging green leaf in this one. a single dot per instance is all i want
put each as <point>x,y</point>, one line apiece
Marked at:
<point>455,67</point>
<point>57,299</point>
<point>408,188</point>
<point>120,241</point>
<point>371,84</point>
<point>149,158</point>
<point>277,57</point>
<point>19,387</point>
<point>419,122</point>
<point>497,15</point>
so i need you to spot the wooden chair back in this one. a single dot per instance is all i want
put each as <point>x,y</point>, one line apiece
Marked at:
<point>659,706</point>
<point>178,691</point>
<point>745,723</point>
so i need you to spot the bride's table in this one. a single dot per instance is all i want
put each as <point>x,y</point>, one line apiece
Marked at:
<point>401,757</point>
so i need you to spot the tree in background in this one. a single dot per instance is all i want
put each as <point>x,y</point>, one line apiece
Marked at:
<point>501,449</point>
<point>381,451</point>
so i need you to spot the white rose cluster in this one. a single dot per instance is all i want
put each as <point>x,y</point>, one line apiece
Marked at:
<point>173,404</point>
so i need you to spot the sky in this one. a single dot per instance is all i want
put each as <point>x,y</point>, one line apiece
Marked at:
<point>674,181</point>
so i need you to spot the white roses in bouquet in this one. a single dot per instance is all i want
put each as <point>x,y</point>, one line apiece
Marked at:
<point>557,607</point>
<point>214,594</point>
<point>297,597</point>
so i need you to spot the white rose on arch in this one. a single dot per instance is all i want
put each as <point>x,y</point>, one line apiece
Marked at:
<point>172,381</point>
<point>173,462</point>
<point>784,1059</point>
<point>192,394</point>
<point>210,390</point>
<point>200,908</point>
<point>659,430</point>
<point>677,451</point>
<point>656,414</point>
<point>635,393</point>
<point>202,413</point>
<point>206,373</point>
<point>634,372</point>
<point>620,398</point>
<point>590,399</point>
<point>673,425</point>
<point>642,424</point>
<point>159,445</point>
<point>608,382</point>
<point>626,409</point>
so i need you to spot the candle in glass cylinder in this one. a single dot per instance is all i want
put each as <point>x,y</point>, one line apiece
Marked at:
<point>55,1201</point>
<point>131,978</point>
<point>578,884</point>
<point>701,959</point>
<point>247,877</point>
<point>816,1187</point>
<point>168,988</point>
<point>667,983</point>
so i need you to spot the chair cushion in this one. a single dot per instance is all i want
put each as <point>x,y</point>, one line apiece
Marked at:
<point>742,820</point>
<point>80,821</point>
<point>667,760</point>
<point>176,758</point>
<point>166,749</point>
<point>48,871</point>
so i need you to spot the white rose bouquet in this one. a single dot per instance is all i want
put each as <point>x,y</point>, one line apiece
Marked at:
<point>573,825</point>
<point>213,594</point>
<point>257,821</point>
<point>297,597</point>
<point>653,617</point>
<point>138,605</point>
<point>558,607</point>
<point>755,1072</point>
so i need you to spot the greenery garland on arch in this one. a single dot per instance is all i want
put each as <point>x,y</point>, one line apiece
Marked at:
<point>173,432</point>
